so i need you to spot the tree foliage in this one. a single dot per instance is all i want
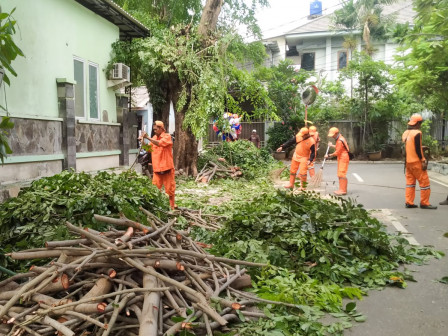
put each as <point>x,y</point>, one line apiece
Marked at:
<point>424,65</point>
<point>8,53</point>
<point>8,49</point>
<point>39,212</point>
<point>373,97</point>
<point>365,17</point>
<point>197,72</point>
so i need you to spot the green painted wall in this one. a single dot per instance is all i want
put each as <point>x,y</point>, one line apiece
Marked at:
<point>51,33</point>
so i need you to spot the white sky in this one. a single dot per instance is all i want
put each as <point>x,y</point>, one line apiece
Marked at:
<point>284,15</point>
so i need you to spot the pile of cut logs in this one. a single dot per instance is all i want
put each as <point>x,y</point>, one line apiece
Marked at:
<point>141,280</point>
<point>220,169</point>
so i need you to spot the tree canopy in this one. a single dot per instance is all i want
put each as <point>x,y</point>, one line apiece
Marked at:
<point>364,18</point>
<point>194,66</point>
<point>424,64</point>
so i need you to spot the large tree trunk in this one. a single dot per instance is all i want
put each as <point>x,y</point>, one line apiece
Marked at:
<point>162,112</point>
<point>209,17</point>
<point>185,144</point>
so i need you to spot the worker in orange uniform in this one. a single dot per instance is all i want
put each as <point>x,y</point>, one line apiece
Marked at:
<point>162,160</point>
<point>303,156</point>
<point>315,135</point>
<point>416,164</point>
<point>341,152</point>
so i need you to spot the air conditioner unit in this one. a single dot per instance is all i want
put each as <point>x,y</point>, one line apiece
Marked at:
<point>120,71</point>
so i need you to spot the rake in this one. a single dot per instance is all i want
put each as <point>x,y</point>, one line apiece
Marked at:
<point>317,179</point>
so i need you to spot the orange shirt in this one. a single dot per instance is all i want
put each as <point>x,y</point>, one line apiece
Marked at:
<point>341,151</point>
<point>413,142</point>
<point>303,148</point>
<point>162,155</point>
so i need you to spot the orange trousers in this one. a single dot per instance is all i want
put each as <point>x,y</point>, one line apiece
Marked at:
<point>301,166</point>
<point>167,180</point>
<point>342,168</point>
<point>414,172</point>
<point>311,169</point>
<point>342,174</point>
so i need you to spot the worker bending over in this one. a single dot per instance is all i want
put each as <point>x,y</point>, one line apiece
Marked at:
<point>315,135</point>
<point>162,160</point>
<point>341,152</point>
<point>416,165</point>
<point>304,154</point>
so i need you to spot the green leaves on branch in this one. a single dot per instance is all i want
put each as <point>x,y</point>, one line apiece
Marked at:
<point>8,49</point>
<point>253,162</point>
<point>39,212</point>
<point>337,242</point>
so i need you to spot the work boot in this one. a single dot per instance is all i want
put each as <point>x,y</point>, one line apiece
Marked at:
<point>292,179</point>
<point>432,207</point>
<point>342,187</point>
<point>411,206</point>
<point>173,205</point>
<point>445,202</point>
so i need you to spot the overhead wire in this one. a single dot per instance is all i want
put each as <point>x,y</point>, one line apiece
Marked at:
<point>283,56</point>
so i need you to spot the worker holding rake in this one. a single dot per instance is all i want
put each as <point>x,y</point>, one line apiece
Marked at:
<point>342,154</point>
<point>304,154</point>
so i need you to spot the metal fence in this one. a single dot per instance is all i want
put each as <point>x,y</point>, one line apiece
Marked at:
<point>439,130</point>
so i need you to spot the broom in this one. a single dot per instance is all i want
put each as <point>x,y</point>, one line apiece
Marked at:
<point>317,179</point>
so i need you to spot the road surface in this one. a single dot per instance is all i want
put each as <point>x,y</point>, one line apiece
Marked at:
<point>422,308</point>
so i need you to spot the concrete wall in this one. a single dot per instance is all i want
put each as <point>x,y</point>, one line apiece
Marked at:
<point>97,163</point>
<point>37,137</point>
<point>97,138</point>
<point>19,172</point>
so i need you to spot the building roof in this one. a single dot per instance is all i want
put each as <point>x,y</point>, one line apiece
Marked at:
<point>129,26</point>
<point>402,10</point>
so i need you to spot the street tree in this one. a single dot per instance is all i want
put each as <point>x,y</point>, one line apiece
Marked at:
<point>370,102</point>
<point>423,69</point>
<point>193,66</point>
<point>363,18</point>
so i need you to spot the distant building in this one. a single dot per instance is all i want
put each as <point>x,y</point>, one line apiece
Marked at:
<point>314,45</point>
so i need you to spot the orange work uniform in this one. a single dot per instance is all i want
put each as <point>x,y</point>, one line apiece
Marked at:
<point>414,168</point>
<point>341,152</point>
<point>304,152</point>
<point>316,138</point>
<point>163,165</point>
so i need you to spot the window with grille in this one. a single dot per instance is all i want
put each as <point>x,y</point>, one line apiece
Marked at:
<point>342,60</point>
<point>308,61</point>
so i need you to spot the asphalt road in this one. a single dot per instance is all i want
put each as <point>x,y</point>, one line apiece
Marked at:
<point>422,308</point>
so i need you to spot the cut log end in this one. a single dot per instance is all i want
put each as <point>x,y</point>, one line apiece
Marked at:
<point>112,273</point>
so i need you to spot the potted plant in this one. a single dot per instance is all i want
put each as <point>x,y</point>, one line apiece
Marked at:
<point>374,149</point>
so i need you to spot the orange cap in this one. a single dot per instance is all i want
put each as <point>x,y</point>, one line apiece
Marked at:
<point>415,118</point>
<point>303,131</point>
<point>159,123</point>
<point>333,131</point>
<point>313,130</point>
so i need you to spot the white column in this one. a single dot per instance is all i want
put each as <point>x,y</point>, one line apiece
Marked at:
<point>328,58</point>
